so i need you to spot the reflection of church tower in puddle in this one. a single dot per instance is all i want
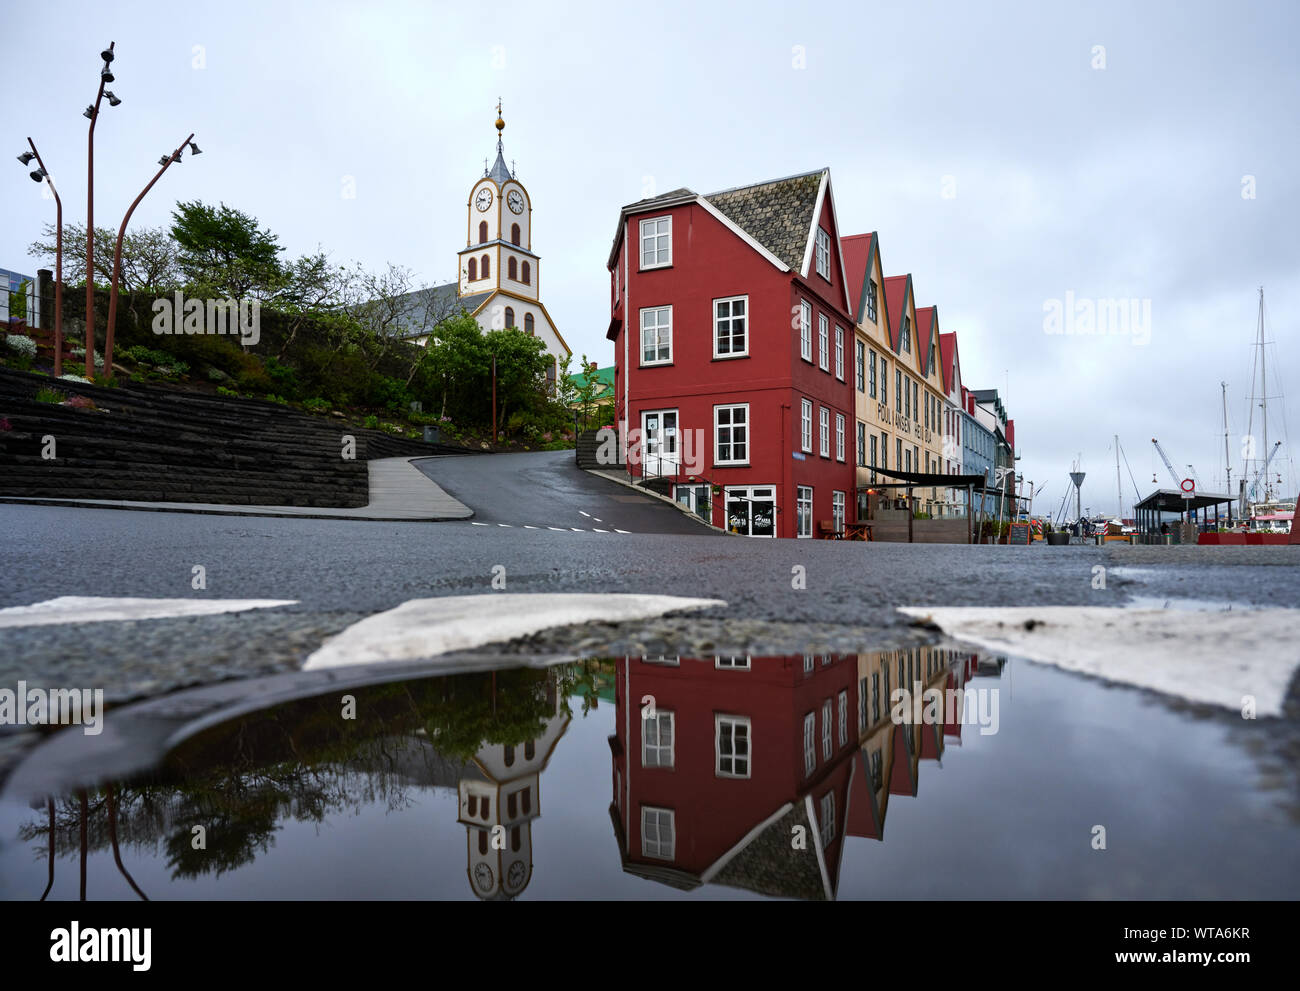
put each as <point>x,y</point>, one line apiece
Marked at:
<point>497,806</point>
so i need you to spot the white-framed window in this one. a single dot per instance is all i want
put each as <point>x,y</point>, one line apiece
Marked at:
<point>731,434</point>
<point>805,424</point>
<point>860,365</point>
<point>656,242</point>
<point>730,326</point>
<point>842,713</point>
<point>837,510</point>
<point>823,254</point>
<point>828,819</point>
<point>658,833</point>
<point>732,746</point>
<point>907,334</point>
<point>898,389</point>
<point>804,510</point>
<point>824,416</point>
<point>839,436</point>
<point>805,330</point>
<point>839,353</point>
<point>750,510</point>
<point>731,663</point>
<point>871,462</point>
<point>871,300</point>
<point>871,379</point>
<point>809,743</point>
<point>823,342</point>
<point>826,730</point>
<point>656,335</point>
<point>662,659</point>
<point>658,740</point>
<point>862,444</point>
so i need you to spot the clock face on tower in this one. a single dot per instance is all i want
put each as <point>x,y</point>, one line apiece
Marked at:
<point>515,201</point>
<point>516,875</point>
<point>483,200</point>
<point>483,876</point>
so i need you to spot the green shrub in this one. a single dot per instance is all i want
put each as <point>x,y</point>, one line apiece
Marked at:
<point>371,422</point>
<point>44,395</point>
<point>284,377</point>
<point>223,391</point>
<point>272,398</point>
<point>316,405</point>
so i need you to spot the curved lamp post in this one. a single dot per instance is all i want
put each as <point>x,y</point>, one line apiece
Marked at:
<point>40,174</point>
<point>165,162</point>
<point>92,112</point>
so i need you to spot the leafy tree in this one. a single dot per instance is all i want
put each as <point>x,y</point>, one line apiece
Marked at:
<point>150,260</point>
<point>521,364</point>
<point>225,253</point>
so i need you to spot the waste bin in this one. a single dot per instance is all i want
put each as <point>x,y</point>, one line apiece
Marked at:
<point>432,435</point>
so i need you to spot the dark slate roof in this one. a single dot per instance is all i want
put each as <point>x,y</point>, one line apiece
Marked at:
<point>500,174</point>
<point>671,195</point>
<point>769,866</point>
<point>777,214</point>
<point>424,308</point>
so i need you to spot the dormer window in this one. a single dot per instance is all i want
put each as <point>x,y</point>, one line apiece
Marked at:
<point>907,334</point>
<point>657,242</point>
<point>823,254</point>
<point>872,289</point>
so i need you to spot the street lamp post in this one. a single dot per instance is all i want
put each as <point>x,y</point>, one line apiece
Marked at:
<point>165,162</point>
<point>92,112</point>
<point>41,173</point>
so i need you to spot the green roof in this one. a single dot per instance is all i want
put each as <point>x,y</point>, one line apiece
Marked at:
<point>603,375</point>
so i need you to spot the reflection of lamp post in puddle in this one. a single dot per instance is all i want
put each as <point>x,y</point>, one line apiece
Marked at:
<point>83,828</point>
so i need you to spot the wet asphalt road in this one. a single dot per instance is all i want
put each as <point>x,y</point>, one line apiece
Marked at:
<point>339,571</point>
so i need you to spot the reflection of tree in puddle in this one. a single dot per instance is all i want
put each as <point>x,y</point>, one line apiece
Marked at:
<point>242,780</point>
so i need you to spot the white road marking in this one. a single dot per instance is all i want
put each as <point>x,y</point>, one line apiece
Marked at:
<point>478,524</point>
<point>506,525</point>
<point>617,530</point>
<point>558,529</point>
<point>1213,657</point>
<point>577,529</point>
<point>427,627</point>
<point>596,529</point>
<point>529,526</point>
<point>581,513</point>
<point>598,519</point>
<point>97,609</point>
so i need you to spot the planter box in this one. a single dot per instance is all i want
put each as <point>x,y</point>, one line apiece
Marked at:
<point>1058,538</point>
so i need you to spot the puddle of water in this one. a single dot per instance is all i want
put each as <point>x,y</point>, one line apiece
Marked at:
<point>664,778</point>
<point>1190,605</point>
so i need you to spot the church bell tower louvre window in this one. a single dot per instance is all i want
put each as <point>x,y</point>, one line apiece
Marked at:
<point>487,267</point>
<point>473,270</point>
<point>513,268</point>
<point>482,232</point>
<point>514,234</point>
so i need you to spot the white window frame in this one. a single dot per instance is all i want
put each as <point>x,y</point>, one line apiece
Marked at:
<point>842,715</point>
<point>860,365</point>
<point>658,746</point>
<point>805,330</point>
<point>907,334</point>
<point>871,377</point>
<point>731,663</point>
<point>826,730</point>
<point>750,493</point>
<point>657,848</point>
<point>655,235</point>
<point>806,425</point>
<point>824,431</point>
<point>828,818</point>
<point>823,254</point>
<point>809,743</point>
<point>839,437</point>
<point>839,352</point>
<point>657,310</point>
<point>730,320</point>
<point>731,427</point>
<point>719,720</point>
<point>837,510</point>
<point>823,342</point>
<point>872,299</point>
<point>804,521</point>
<point>862,444</point>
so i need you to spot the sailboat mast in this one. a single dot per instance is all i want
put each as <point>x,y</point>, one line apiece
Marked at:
<point>1263,390</point>
<point>1119,490</point>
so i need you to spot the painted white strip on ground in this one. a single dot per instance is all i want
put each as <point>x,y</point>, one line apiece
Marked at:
<point>617,530</point>
<point>596,529</point>
<point>478,524</point>
<point>1201,656</point>
<point>97,609</point>
<point>529,526</point>
<point>581,513</point>
<point>423,628</point>
<point>557,529</point>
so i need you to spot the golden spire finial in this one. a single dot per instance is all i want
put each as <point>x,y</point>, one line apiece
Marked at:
<point>501,124</point>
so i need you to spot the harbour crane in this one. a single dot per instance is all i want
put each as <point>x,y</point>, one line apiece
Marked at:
<point>1178,482</point>
<point>1263,472</point>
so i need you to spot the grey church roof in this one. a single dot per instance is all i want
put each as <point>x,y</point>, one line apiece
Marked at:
<point>424,308</point>
<point>499,174</point>
<point>777,214</point>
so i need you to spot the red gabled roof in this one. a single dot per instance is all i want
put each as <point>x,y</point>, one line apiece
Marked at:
<point>896,287</point>
<point>857,255</point>
<point>947,354</point>
<point>927,319</point>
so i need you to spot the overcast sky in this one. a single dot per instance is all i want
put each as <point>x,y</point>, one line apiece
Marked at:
<point>1000,166</point>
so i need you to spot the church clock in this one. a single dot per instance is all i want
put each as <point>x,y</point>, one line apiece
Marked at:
<point>483,200</point>
<point>515,201</point>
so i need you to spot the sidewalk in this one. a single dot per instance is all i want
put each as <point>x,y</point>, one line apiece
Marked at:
<point>398,492</point>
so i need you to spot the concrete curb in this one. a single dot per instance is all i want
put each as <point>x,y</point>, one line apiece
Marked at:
<point>399,493</point>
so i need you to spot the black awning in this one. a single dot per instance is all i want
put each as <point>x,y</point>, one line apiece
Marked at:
<point>925,479</point>
<point>1172,501</point>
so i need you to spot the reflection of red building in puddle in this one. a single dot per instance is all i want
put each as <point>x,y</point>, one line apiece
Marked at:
<point>723,764</point>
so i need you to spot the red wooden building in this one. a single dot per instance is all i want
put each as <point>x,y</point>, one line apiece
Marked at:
<point>734,349</point>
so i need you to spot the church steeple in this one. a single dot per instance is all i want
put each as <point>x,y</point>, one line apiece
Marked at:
<point>499,173</point>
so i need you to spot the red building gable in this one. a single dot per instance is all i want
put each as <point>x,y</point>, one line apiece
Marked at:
<point>898,290</point>
<point>731,319</point>
<point>948,360</point>
<point>927,324</point>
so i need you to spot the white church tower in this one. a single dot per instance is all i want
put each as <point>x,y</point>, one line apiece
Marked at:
<point>499,274</point>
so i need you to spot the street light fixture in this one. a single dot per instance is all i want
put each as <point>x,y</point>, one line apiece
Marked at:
<point>92,113</point>
<point>194,149</point>
<point>165,161</point>
<point>113,101</point>
<point>41,173</point>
